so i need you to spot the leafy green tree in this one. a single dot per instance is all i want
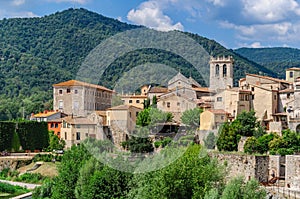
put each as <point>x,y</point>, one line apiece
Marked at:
<point>138,145</point>
<point>246,123</point>
<point>192,117</point>
<point>188,177</point>
<point>151,116</point>
<point>228,138</point>
<point>250,145</point>
<point>237,189</point>
<point>263,142</point>
<point>146,103</point>
<point>154,101</point>
<point>55,143</point>
<point>69,171</point>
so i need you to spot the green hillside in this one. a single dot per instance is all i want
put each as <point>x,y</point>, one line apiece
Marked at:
<point>276,59</point>
<point>38,52</point>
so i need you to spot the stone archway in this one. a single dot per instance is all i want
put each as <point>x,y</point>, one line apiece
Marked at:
<point>298,128</point>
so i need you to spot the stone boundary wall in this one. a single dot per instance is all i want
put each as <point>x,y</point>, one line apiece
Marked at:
<point>247,166</point>
<point>14,163</point>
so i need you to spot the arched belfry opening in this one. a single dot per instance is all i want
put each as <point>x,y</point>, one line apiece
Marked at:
<point>221,72</point>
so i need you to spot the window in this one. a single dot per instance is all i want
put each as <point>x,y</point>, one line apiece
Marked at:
<point>137,101</point>
<point>252,89</point>
<point>168,104</point>
<point>224,70</point>
<point>222,117</point>
<point>275,97</point>
<point>77,126</point>
<point>178,103</point>
<point>60,91</point>
<point>252,97</point>
<point>76,91</point>
<point>52,125</point>
<point>247,97</point>
<point>291,74</point>
<point>219,99</point>
<point>136,114</point>
<point>130,101</point>
<point>130,114</point>
<point>56,125</point>
<point>217,70</point>
<point>77,135</point>
<point>60,104</point>
<point>66,136</point>
<point>179,82</point>
<point>68,90</point>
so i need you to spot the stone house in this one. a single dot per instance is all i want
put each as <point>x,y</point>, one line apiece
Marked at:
<point>76,129</point>
<point>121,121</point>
<point>292,74</point>
<point>134,100</point>
<point>213,119</point>
<point>78,98</point>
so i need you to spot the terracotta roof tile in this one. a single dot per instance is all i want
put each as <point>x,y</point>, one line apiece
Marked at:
<point>218,111</point>
<point>79,83</point>
<point>295,69</point>
<point>158,90</point>
<point>122,107</point>
<point>78,120</point>
<point>269,78</point>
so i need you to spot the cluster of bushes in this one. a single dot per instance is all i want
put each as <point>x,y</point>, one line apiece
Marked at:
<point>7,174</point>
<point>189,176</point>
<point>31,178</point>
<point>30,135</point>
<point>15,190</point>
<point>230,134</point>
<point>164,142</point>
<point>46,158</point>
<point>287,144</point>
<point>14,175</point>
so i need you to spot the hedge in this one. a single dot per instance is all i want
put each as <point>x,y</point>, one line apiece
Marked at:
<point>31,135</point>
<point>7,130</point>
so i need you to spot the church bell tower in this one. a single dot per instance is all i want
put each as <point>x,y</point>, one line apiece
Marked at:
<point>221,73</point>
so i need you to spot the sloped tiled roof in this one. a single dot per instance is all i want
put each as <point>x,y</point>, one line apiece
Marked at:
<point>269,78</point>
<point>78,120</point>
<point>295,69</point>
<point>158,90</point>
<point>202,89</point>
<point>122,107</point>
<point>79,83</point>
<point>218,111</point>
<point>46,114</point>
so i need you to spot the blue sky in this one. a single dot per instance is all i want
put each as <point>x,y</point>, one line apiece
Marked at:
<point>233,23</point>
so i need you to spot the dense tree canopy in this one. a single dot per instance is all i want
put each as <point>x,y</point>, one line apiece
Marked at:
<point>38,52</point>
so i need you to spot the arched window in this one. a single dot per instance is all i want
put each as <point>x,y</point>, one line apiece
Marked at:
<point>224,70</point>
<point>217,70</point>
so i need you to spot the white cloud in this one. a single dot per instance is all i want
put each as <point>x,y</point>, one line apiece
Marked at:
<point>18,2</point>
<point>70,1</point>
<point>217,2</point>
<point>150,14</point>
<point>256,45</point>
<point>24,14</point>
<point>269,10</point>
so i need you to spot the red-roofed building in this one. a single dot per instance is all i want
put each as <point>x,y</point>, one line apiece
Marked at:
<point>80,98</point>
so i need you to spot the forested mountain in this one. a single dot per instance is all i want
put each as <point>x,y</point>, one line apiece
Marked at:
<point>276,59</point>
<point>38,52</point>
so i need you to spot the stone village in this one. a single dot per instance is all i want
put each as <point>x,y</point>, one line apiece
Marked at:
<point>83,110</point>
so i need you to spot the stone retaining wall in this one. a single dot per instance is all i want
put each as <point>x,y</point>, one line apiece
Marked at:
<point>14,163</point>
